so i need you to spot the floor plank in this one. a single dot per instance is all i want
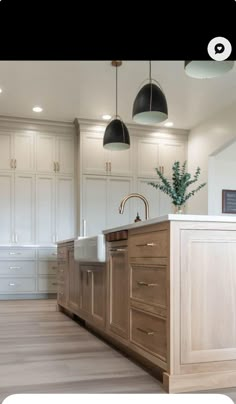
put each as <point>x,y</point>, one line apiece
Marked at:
<point>44,351</point>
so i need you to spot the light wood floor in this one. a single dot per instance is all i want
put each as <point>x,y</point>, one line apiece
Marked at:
<point>44,351</point>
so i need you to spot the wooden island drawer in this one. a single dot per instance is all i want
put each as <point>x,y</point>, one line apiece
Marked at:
<point>148,284</point>
<point>149,332</point>
<point>148,245</point>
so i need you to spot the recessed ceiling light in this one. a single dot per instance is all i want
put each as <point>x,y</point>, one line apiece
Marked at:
<point>0,90</point>
<point>37,109</point>
<point>106,117</point>
<point>168,124</point>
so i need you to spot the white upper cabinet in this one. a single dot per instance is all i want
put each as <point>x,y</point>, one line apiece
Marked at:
<point>147,157</point>
<point>55,154</point>
<point>97,160</point>
<point>169,153</point>
<point>23,146</point>
<point>159,203</point>
<point>5,151</point>
<point>17,151</point>
<point>158,153</point>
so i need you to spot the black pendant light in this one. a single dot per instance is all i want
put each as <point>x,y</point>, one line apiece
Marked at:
<point>207,69</point>
<point>150,104</point>
<point>116,136</point>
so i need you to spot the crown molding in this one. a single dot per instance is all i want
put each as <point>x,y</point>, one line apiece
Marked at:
<point>10,123</point>
<point>98,126</point>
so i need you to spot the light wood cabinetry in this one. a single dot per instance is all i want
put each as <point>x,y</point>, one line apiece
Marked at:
<point>118,288</point>
<point>92,293</point>
<point>73,281</point>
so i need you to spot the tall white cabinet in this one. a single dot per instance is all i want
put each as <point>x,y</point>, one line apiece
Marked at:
<point>37,199</point>
<point>107,176</point>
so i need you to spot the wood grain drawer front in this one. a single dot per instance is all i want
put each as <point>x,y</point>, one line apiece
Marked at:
<point>149,332</point>
<point>62,252</point>
<point>17,253</point>
<point>153,244</point>
<point>47,254</point>
<point>148,284</point>
<point>61,272</point>
<point>17,268</point>
<point>13,285</point>
<point>47,268</point>
<point>46,284</point>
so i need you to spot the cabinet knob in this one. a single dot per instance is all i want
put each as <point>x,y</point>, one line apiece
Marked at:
<point>146,284</point>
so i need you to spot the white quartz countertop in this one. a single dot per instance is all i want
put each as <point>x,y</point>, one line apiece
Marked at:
<point>178,217</point>
<point>68,240</point>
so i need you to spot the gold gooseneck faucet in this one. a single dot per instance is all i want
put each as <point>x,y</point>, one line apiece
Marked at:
<point>125,199</point>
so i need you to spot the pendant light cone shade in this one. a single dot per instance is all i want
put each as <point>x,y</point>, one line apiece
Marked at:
<point>206,69</point>
<point>150,105</point>
<point>116,136</point>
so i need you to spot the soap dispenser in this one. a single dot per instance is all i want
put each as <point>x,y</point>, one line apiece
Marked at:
<point>137,219</point>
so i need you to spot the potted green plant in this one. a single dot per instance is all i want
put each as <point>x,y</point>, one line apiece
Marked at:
<point>177,189</point>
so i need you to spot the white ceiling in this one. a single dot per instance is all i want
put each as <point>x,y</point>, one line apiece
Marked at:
<point>86,89</point>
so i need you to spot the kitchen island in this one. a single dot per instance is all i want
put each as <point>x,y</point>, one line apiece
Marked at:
<point>169,289</point>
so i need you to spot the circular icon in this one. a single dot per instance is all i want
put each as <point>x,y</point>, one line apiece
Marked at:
<point>219,48</point>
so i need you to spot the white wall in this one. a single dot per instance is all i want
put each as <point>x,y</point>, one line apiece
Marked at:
<point>221,175</point>
<point>204,140</point>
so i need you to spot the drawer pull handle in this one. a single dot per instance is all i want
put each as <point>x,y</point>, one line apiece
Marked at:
<point>146,245</point>
<point>56,268</point>
<point>12,284</point>
<point>14,267</point>
<point>61,293</point>
<point>14,253</point>
<point>118,249</point>
<point>54,284</point>
<point>145,331</point>
<point>146,284</point>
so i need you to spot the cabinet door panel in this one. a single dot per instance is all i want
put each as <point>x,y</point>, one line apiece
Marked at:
<point>153,197</point>
<point>118,292</point>
<point>45,153</point>
<point>65,227</point>
<point>65,154</point>
<point>24,208</point>
<point>24,151</point>
<point>148,158</point>
<point>45,210</point>
<point>117,189</point>
<point>169,153</point>
<point>94,204</point>
<point>6,208</point>
<point>94,156</point>
<point>121,163</point>
<point>86,289</point>
<point>74,282</point>
<point>5,151</point>
<point>98,297</point>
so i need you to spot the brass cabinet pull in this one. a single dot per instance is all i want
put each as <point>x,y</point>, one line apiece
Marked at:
<point>12,164</point>
<point>58,166</point>
<point>145,331</point>
<point>54,166</point>
<point>15,164</point>
<point>146,284</point>
<point>146,245</point>
<point>109,165</point>
<point>12,284</point>
<point>106,166</point>
<point>14,253</point>
<point>54,284</point>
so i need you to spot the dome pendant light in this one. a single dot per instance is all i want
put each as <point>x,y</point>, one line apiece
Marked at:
<point>207,69</point>
<point>116,136</point>
<point>150,104</point>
